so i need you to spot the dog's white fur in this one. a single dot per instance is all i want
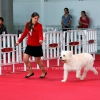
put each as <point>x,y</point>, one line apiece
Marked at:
<point>77,62</point>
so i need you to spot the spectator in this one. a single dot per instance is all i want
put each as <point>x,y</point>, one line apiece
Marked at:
<point>2,27</point>
<point>66,20</point>
<point>2,30</point>
<point>84,20</point>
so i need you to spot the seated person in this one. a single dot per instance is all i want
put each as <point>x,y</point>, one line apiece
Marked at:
<point>84,20</point>
<point>2,27</point>
<point>66,19</point>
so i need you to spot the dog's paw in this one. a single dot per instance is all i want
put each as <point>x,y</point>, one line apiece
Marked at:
<point>96,73</point>
<point>63,80</point>
<point>82,78</point>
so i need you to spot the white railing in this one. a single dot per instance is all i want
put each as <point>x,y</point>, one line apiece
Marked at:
<point>80,41</point>
<point>77,41</point>
<point>8,52</point>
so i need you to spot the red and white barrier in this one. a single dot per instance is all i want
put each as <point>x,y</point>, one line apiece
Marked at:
<point>8,53</point>
<point>54,42</point>
<point>81,41</point>
<point>52,46</point>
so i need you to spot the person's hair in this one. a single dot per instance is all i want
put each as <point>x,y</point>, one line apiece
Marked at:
<point>1,19</point>
<point>84,13</point>
<point>19,31</point>
<point>66,9</point>
<point>30,24</point>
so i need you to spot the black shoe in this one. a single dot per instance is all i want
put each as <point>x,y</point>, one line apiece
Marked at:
<point>44,75</point>
<point>29,75</point>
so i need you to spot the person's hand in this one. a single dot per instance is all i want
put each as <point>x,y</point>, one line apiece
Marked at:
<point>2,39</point>
<point>17,43</point>
<point>81,22</point>
<point>63,26</point>
<point>41,42</point>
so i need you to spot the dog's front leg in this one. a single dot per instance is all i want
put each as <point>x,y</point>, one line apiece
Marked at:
<point>78,72</point>
<point>65,76</point>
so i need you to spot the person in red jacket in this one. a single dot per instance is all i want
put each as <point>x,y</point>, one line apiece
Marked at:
<point>84,20</point>
<point>33,30</point>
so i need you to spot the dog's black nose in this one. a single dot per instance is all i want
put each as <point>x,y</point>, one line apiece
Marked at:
<point>60,57</point>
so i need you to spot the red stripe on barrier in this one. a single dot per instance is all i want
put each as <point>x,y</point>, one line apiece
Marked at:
<point>74,43</point>
<point>53,45</point>
<point>91,41</point>
<point>7,49</point>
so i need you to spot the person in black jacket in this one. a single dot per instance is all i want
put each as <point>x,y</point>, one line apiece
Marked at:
<point>3,29</point>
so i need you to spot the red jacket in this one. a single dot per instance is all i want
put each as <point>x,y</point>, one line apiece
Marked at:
<point>85,21</point>
<point>34,37</point>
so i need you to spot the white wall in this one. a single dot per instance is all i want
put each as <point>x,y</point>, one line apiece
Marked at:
<point>23,11</point>
<point>69,0</point>
<point>54,11</point>
<point>26,0</point>
<point>52,0</point>
<point>0,9</point>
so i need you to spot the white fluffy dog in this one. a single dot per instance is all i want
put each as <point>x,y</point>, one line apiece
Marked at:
<point>76,63</point>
